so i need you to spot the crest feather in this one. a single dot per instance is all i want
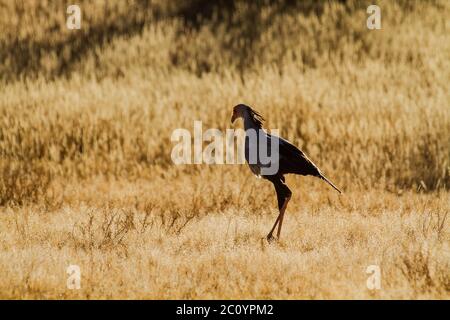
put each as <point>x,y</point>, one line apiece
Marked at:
<point>256,117</point>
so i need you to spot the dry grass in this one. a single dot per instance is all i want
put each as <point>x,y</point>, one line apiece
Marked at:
<point>128,244</point>
<point>87,178</point>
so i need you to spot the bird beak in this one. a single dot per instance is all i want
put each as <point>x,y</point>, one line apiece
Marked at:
<point>233,117</point>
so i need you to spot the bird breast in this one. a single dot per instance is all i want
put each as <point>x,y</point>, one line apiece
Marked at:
<point>251,148</point>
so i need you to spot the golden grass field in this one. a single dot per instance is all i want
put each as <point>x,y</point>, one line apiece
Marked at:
<point>87,178</point>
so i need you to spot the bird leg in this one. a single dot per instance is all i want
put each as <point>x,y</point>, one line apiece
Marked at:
<point>283,209</point>
<point>279,220</point>
<point>269,236</point>
<point>283,197</point>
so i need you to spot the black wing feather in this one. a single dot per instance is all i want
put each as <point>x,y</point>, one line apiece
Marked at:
<point>293,160</point>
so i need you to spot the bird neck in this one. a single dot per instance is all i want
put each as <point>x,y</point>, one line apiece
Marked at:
<point>249,123</point>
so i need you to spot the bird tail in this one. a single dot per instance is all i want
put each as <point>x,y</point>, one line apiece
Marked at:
<point>330,183</point>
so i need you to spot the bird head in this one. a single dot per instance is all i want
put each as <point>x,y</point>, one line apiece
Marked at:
<point>238,112</point>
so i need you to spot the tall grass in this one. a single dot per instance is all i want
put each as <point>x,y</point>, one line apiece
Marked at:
<point>370,107</point>
<point>86,175</point>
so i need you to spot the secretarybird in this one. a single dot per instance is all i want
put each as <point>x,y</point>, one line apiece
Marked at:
<point>289,159</point>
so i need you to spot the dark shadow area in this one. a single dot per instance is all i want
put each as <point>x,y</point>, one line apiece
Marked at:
<point>25,55</point>
<point>242,21</point>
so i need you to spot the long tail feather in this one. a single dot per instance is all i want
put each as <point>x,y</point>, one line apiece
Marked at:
<point>330,183</point>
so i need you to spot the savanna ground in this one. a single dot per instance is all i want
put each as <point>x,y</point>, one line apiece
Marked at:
<point>87,177</point>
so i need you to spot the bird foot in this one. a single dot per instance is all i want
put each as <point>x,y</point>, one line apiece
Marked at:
<point>270,238</point>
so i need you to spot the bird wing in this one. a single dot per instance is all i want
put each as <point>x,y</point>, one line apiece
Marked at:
<point>293,160</point>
